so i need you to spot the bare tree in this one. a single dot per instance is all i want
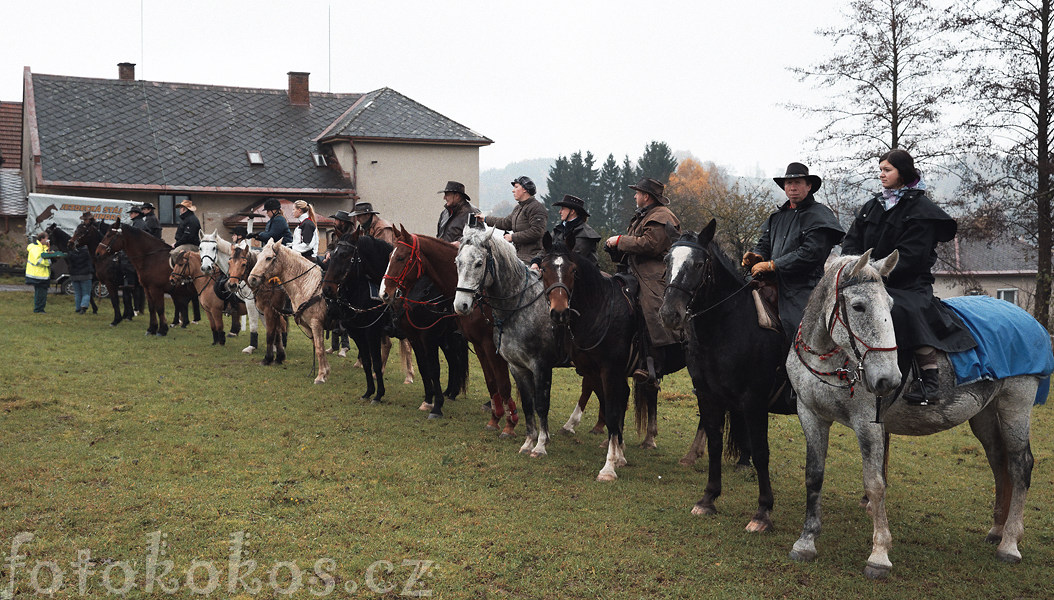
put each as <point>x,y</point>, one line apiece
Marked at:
<point>1007,53</point>
<point>886,83</point>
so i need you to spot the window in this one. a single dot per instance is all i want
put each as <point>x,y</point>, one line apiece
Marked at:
<point>320,160</point>
<point>166,207</point>
<point>1008,294</point>
<point>255,157</point>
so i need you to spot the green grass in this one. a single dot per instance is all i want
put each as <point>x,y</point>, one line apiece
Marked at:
<point>108,436</point>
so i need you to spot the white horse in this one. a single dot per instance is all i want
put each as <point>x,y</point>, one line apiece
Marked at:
<point>845,355</point>
<point>216,254</point>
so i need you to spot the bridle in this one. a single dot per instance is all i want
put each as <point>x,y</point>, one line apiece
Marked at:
<point>490,270</point>
<point>413,261</point>
<point>183,276</point>
<point>839,315</point>
<point>705,281</point>
<point>558,285</point>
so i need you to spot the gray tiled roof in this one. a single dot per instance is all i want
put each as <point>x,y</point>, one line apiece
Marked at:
<point>991,256</point>
<point>387,114</point>
<point>12,193</point>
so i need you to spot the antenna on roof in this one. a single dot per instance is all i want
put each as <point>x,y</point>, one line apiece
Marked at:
<point>329,48</point>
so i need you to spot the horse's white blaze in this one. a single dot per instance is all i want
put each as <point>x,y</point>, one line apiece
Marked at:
<point>679,256</point>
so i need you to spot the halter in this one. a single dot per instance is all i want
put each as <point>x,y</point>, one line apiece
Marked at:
<point>839,314</point>
<point>574,312</point>
<point>399,281</point>
<point>708,277</point>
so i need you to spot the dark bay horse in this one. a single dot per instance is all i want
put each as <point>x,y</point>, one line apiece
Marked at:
<point>356,264</point>
<point>186,269</point>
<point>595,320</point>
<point>735,365</point>
<point>149,255</point>
<point>269,300</point>
<point>415,256</point>
<point>107,269</point>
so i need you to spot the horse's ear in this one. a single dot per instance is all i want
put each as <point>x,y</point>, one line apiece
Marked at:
<point>707,234</point>
<point>886,265</point>
<point>547,242</point>
<point>860,263</point>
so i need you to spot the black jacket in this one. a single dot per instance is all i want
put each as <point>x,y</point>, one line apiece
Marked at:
<point>277,229</point>
<point>151,225</point>
<point>80,264</point>
<point>914,227</point>
<point>188,230</point>
<point>798,241</point>
<point>584,238</point>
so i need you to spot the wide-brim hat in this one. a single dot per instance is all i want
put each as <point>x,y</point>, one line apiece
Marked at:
<point>186,203</point>
<point>797,170</point>
<point>653,187</point>
<point>342,215</point>
<point>574,203</point>
<point>456,187</point>
<point>240,231</point>
<point>146,205</point>
<point>272,204</point>
<point>363,208</point>
<point>85,216</point>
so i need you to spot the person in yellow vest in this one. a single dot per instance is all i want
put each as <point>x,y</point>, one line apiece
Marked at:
<point>38,269</point>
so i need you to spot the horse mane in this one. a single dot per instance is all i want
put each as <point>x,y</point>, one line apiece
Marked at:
<point>729,268</point>
<point>139,234</point>
<point>222,245</point>
<point>504,253</point>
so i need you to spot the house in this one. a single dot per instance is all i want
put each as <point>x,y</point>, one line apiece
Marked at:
<point>1003,268</point>
<point>228,149</point>
<point>12,191</point>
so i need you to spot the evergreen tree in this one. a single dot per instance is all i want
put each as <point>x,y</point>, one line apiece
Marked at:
<point>610,194</point>
<point>657,162</point>
<point>576,176</point>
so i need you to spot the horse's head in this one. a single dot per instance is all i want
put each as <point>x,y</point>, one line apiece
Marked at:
<point>185,265</point>
<point>687,263</point>
<point>341,258</point>
<point>405,266</point>
<point>241,262</point>
<point>113,241</point>
<point>850,310</point>
<point>86,233</point>
<point>268,263</point>
<point>209,249</point>
<point>559,272</point>
<point>474,262</point>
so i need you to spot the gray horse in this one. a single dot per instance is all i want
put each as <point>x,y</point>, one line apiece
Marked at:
<point>845,355</point>
<point>488,270</point>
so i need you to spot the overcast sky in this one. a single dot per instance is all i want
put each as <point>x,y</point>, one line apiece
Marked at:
<point>540,78</point>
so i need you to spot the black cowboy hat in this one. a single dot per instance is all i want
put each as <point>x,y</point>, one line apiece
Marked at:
<point>799,171</point>
<point>574,203</point>
<point>240,231</point>
<point>456,187</point>
<point>527,184</point>
<point>272,204</point>
<point>135,208</point>
<point>342,215</point>
<point>146,205</point>
<point>85,216</point>
<point>363,208</point>
<point>653,187</point>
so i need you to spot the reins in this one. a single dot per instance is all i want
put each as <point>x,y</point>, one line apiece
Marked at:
<point>708,277</point>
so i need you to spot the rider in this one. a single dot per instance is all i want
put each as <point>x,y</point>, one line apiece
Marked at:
<point>371,224</point>
<point>305,237</point>
<point>456,213</point>
<point>902,217</point>
<point>188,233</point>
<point>573,216</point>
<point>277,227</point>
<point>641,251</point>
<point>526,223</point>
<point>150,223</point>
<point>795,242</point>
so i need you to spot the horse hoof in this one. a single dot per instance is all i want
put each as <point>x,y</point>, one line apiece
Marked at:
<point>567,431</point>
<point>539,453</point>
<point>606,477</point>
<point>375,401</point>
<point>504,435</point>
<point>872,571</point>
<point>992,538</point>
<point>687,461</point>
<point>1008,558</point>
<point>248,349</point>
<point>425,407</point>
<point>802,555</point>
<point>596,430</point>
<point>699,509</point>
<point>758,526</point>
<point>408,381</point>
<point>490,427</point>
<point>648,445</point>
<point>432,415</point>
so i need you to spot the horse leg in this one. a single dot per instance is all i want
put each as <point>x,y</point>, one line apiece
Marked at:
<point>713,419</point>
<point>253,312</point>
<point>280,338</point>
<point>613,406</point>
<point>152,329</point>
<point>434,375</point>
<point>757,422</point>
<point>576,414</point>
<point>362,343</point>
<point>406,357</point>
<point>542,387</point>
<point>525,386</point>
<point>1014,408</point>
<point>378,365</point>
<point>817,437</point>
<point>697,448</point>
<point>872,449</point>
<point>386,349</point>
<point>497,407</point>
<point>318,342</point>
<point>272,335</point>
<point>115,301</point>
<point>645,402</point>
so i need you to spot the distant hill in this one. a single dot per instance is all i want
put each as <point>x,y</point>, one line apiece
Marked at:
<point>495,186</point>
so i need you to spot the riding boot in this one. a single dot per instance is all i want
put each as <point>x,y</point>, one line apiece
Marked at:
<point>925,390</point>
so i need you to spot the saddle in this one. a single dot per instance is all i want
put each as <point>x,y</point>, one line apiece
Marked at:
<point>766,302</point>
<point>630,285</point>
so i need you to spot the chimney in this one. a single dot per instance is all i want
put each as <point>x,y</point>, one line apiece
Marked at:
<point>298,90</point>
<point>126,71</point>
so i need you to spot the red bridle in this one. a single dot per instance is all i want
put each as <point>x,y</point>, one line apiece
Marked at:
<point>414,260</point>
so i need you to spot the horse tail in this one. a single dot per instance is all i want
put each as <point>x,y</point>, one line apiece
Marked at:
<point>737,442</point>
<point>645,398</point>
<point>458,373</point>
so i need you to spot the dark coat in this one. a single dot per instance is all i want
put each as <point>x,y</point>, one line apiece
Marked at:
<point>81,265</point>
<point>642,250</point>
<point>188,230</point>
<point>798,241</point>
<point>452,221</point>
<point>527,223</point>
<point>914,227</point>
<point>585,238</point>
<point>277,229</point>
<point>152,226</point>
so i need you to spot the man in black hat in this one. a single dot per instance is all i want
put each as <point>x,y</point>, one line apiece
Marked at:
<point>277,227</point>
<point>150,223</point>
<point>641,251</point>
<point>455,213</point>
<point>573,231</point>
<point>526,223</point>
<point>136,216</point>
<point>370,223</point>
<point>795,242</point>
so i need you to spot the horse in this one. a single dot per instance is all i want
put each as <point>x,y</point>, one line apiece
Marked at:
<point>844,368</point>
<point>301,279</point>
<point>354,266</point>
<point>149,256</point>
<point>187,268</point>
<point>489,271</point>
<point>215,255</point>
<point>417,255</point>
<point>735,365</point>
<point>64,242</point>
<point>594,318</point>
<point>270,302</point>
<point>107,270</point>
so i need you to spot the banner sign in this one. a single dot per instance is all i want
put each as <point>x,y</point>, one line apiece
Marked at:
<point>66,211</point>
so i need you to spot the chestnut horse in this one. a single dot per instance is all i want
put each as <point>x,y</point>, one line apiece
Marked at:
<point>269,302</point>
<point>186,268</point>
<point>149,256</point>
<point>415,256</point>
<point>301,279</point>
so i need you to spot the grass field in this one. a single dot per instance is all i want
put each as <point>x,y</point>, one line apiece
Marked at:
<point>175,464</point>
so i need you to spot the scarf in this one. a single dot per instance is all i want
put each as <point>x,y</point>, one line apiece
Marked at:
<point>891,197</point>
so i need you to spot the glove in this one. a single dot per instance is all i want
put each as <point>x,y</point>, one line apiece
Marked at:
<point>750,259</point>
<point>763,267</point>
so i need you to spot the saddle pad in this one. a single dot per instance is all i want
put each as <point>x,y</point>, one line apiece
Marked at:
<point>1009,342</point>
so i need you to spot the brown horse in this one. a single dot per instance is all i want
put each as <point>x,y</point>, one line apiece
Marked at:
<point>417,255</point>
<point>186,268</point>
<point>301,279</point>
<point>269,302</point>
<point>149,256</point>
<point>107,270</point>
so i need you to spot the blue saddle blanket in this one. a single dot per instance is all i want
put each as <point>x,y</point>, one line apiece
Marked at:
<point>1009,342</point>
